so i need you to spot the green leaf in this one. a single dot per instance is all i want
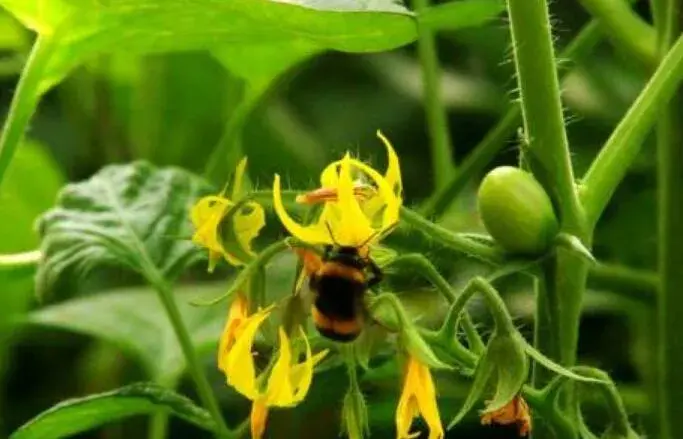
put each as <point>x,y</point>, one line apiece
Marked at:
<point>135,321</point>
<point>134,215</point>
<point>83,28</point>
<point>261,63</point>
<point>78,415</point>
<point>461,14</point>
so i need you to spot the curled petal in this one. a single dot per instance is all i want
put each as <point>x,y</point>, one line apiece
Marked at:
<point>392,202</point>
<point>418,397</point>
<point>240,363</point>
<point>237,315</point>
<point>205,216</point>
<point>279,391</point>
<point>302,377</point>
<point>354,228</point>
<point>247,223</point>
<point>393,174</point>
<point>311,234</point>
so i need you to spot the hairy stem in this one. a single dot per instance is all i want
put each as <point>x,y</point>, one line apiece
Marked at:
<point>502,132</point>
<point>549,159</point>
<point>439,136</point>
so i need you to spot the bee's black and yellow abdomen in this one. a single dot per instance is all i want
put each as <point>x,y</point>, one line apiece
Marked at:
<point>337,308</point>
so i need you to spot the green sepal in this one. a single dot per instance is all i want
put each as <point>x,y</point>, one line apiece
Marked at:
<point>574,244</point>
<point>420,349</point>
<point>295,313</point>
<point>612,433</point>
<point>549,364</point>
<point>482,376</point>
<point>504,363</point>
<point>355,414</point>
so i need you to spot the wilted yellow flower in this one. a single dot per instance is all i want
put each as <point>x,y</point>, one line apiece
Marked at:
<point>418,398</point>
<point>515,412</point>
<point>287,384</point>
<point>354,214</point>
<point>234,325</point>
<point>208,213</point>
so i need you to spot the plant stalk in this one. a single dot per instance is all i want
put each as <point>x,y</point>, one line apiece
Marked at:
<point>623,146</point>
<point>548,156</point>
<point>669,18</point>
<point>625,28</point>
<point>24,101</point>
<point>502,132</point>
<point>437,123</point>
<point>193,364</point>
<point>158,425</point>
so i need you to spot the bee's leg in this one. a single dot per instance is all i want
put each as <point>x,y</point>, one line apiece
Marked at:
<point>377,274</point>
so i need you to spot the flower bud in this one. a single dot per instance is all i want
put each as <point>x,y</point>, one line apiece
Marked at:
<point>516,211</point>
<point>355,414</point>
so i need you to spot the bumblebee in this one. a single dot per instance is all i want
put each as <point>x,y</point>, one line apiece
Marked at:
<point>339,281</point>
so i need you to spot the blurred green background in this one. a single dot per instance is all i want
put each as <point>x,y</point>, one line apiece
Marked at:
<point>171,110</point>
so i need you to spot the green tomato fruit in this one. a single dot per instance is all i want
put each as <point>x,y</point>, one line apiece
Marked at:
<point>516,211</point>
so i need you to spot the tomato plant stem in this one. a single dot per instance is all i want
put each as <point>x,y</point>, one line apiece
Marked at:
<point>501,133</point>
<point>437,124</point>
<point>547,152</point>
<point>668,16</point>
<point>625,28</point>
<point>24,101</point>
<point>625,142</point>
<point>194,366</point>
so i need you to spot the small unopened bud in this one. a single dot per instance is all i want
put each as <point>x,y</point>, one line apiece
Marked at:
<point>355,414</point>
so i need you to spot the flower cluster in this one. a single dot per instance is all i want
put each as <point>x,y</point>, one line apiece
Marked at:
<point>358,207</point>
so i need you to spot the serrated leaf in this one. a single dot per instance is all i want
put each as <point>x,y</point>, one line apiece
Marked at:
<point>135,321</point>
<point>136,216</point>
<point>82,414</point>
<point>461,14</point>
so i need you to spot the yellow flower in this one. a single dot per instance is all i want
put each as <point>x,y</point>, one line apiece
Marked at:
<point>418,398</point>
<point>237,318</point>
<point>208,213</point>
<point>515,412</point>
<point>354,214</point>
<point>287,384</point>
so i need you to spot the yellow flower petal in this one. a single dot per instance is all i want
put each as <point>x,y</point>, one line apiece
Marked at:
<point>240,363</point>
<point>392,201</point>
<point>311,234</point>
<point>329,178</point>
<point>279,391</point>
<point>393,174</point>
<point>301,380</point>
<point>237,316</point>
<point>418,396</point>
<point>205,216</point>
<point>247,223</point>
<point>353,228</point>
